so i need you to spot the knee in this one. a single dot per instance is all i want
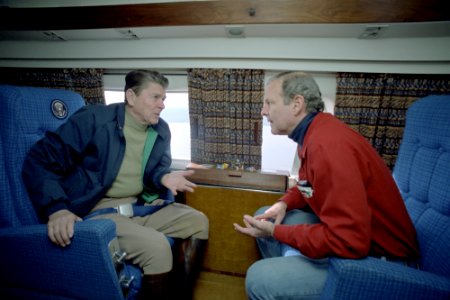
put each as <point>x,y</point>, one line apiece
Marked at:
<point>251,282</point>
<point>200,225</point>
<point>157,258</point>
<point>254,281</point>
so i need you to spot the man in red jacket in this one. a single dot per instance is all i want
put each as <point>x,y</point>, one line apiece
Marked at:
<point>345,204</point>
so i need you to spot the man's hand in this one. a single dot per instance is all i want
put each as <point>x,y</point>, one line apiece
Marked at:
<point>176,181</point>
<point>261,225</point>
<point>255,228</point>
<point>276,212</point>
<point>60,227</point>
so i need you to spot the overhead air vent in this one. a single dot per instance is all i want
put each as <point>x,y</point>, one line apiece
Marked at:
<point>373,32</point>
<point>128,33</point>
<point>53,36</point>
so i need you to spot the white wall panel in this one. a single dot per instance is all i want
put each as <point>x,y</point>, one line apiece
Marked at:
<point>402,55</point>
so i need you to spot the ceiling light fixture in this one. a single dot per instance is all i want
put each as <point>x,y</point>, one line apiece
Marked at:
<point>235,31</point>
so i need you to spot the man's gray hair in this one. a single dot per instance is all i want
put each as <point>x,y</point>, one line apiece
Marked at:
<point>299,83</point>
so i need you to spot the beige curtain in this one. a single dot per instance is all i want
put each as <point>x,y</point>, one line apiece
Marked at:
<point>375,105</point>
<point>87,82</point>
<point>224,110</point>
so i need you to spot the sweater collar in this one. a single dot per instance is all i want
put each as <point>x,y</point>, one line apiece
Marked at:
<point>132,122</point>
<point>161,128</point>
<point>298,135</point>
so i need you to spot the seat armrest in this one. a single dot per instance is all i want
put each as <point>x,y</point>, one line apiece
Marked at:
<point>372,278</point>
<point>30,261</point>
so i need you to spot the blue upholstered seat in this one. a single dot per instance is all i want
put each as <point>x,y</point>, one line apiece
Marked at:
<point>31,266</point>
<point>422,172</point>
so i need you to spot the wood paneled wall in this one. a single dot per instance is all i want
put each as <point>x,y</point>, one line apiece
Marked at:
<point>223,12</point>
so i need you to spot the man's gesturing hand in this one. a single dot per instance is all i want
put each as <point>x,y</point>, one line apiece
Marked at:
<point>255,228</point>
<point>176,181</point>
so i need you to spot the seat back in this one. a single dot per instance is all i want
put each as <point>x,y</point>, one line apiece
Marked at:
<point>26,113</point>
<point>422,173</point>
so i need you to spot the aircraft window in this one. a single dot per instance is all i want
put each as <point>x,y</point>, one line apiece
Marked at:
<point>176,114</point>
<point>277,152</point>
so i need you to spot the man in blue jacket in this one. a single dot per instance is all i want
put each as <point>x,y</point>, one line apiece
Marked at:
<point>114,162</point>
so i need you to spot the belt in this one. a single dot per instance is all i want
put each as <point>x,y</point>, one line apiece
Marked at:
<point>130,209</point>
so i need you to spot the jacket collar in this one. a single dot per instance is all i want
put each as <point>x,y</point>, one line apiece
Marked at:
<point>161,128</point>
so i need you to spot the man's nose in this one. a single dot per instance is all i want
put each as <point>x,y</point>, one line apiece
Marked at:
<point>263,111</point>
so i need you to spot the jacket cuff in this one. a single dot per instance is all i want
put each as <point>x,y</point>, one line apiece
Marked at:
<point>49,210</point>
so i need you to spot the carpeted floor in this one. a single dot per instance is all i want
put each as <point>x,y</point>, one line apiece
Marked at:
<point>212,286</point>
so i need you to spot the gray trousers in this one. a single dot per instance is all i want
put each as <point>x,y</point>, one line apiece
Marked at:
<point>144,238</point>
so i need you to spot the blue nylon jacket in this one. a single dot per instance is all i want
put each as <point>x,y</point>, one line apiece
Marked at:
<point>73,167</point>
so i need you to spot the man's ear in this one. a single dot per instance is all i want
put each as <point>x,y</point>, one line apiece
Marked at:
<point>130,96</point>
<point>298,104</point>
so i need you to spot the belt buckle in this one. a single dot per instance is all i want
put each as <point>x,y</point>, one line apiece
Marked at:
<point>125,210</point>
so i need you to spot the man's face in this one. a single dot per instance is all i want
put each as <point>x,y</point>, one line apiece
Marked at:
<point>148,105</point>
<point>280,116</point>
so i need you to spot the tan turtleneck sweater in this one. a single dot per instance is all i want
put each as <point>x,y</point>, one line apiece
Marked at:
<point>128,182</point>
